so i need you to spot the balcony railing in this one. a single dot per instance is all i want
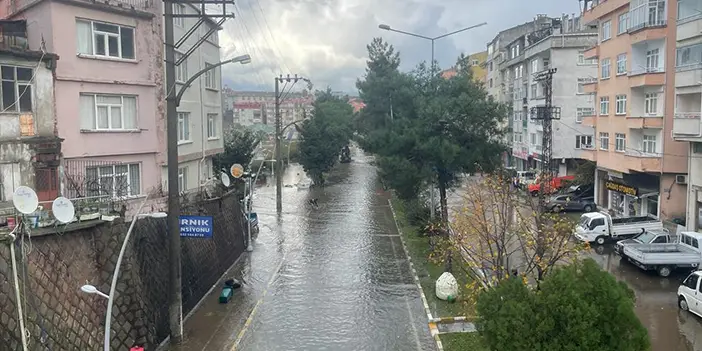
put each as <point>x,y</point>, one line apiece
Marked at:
<point>687,124</point>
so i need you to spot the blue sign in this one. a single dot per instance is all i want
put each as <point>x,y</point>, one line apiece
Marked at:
<point>196,226</point>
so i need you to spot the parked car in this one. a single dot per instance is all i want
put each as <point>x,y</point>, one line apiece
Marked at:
<point>571,202</point>
<point>556,184</point>
<point>665,258</point>
<point>599,227</point>
<point>581,190</point>
<point>526,178</point>
<point>690,294</point>
<point>646,237</point>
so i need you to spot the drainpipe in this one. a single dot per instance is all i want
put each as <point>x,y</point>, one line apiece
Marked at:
<point>203,119</point>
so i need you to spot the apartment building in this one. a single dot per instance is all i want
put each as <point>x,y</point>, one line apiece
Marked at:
<point>639,164</point>
<point>246,104</point>
<point>497,76</point>
<point>108,88</point>
<point>477,64</point>
<point>687,124</point>
<point>558,44</point>
<point>200,110</point>
<point>30,151</point>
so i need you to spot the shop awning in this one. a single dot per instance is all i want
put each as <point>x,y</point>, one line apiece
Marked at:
<point>645,193</point>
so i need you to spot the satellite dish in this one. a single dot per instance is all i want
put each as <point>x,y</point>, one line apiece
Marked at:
<point>236,170</point>
<point>25,199</point>
<point>63,209</point>
<point>225,179</point>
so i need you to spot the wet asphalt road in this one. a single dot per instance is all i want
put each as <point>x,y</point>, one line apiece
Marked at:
<point>332,278</point>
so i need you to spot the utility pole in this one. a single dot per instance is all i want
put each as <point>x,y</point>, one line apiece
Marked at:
<point>279,136</point>
<point>546,114</point>
<point>175,309</point>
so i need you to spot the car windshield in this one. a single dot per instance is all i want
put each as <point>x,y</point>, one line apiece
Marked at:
<point>646,237</point>
<point>583,221</point>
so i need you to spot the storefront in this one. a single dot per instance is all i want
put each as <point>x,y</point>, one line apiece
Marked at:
<point>628,195</point>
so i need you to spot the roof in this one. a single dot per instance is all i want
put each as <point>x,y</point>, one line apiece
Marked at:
<point>29,54</point>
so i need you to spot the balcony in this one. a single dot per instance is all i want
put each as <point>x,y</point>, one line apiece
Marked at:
<point>590,88</point>
<point>651,76</point>
<point>644,122</point>
<point>689,27</point>
<point>687,126</point>
<point>589,121</point>
<point>591,53</point>
<point>642,162</point>
<point>16,7</point>
<point>649,33</point>
<point>602,8</point>
<point>588,154</point>
<point>689,75</point>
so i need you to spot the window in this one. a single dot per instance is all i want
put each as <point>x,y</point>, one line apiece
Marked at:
<point>605,68</point>
<point>620,142</point>
<point>688,9</point>
<point>16,88</point>
<point>689,56</point>
<point>646,13</point>
<point>183,126</point>
<point>490,83</point>
<point>583,141</point>
<point>210,75</point>
<point>108,112</point>
<point>212,126</point>
<point>534,90</point>
<point>691,281</point>
<point>651,104</point>
<point>649,144</point>
<point>182,179</point>
<point>581,87</point>
<point>620,105</point>
<point>604,141</point>
<point>474,62</point>
<point>182,69</point>
<point>534,66</point>
<point>114,180</point>
<point>652,57</point>
<point>532,138</point>
<point>606,30</point>
<point>583,61</point>
<point>178,9</point>
<point>583,112</point>
<point>697,148</point>
<point>103,39</point>
<point>621,64</point>
<point>490,66</point>
<point>623,23</point>
<point>604,105</point>
<point>514,52</point>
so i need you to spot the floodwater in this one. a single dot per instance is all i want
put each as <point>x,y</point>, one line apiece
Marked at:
<point>328,278</point>
<point>656,303</point>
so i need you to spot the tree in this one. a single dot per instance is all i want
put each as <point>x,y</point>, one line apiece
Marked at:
<point>496,230</point>
<point>239,146</point>
<point>578,307</point>
<point>323,136</point>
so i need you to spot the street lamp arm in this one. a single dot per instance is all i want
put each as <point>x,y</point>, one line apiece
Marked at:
<point>244,59</point>
<point>388,28</point>
<point>289,124</point>
<point>458,31</point>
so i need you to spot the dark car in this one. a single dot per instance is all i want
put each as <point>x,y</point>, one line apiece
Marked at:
<point>570,202</point>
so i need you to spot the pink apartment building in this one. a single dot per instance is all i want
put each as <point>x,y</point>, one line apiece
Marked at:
<point>639,164</point>
<point>108,90</point>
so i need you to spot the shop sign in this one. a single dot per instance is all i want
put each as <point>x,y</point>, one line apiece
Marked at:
<point>621,188</point>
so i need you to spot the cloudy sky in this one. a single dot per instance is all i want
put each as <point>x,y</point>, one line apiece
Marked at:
<point>325,40</point>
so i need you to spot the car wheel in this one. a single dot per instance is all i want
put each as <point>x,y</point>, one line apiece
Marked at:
<point>682,303</point>
<point>556,209</point>
<point>600,240</point>
<point>588,208</point>
<point>534,193</point>
<point>664,271</point>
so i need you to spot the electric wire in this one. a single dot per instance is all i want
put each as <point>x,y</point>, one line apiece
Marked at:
<point>255,46</point>
<point>270,33</point>
<point>265,39</point>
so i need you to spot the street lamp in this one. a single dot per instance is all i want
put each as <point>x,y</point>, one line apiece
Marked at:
<point>90,289</point>
<point>243,59</point>
<point>432,40</point>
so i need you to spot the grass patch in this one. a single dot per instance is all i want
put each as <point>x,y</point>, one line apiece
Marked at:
<point>428,271</point>
<point>462,342</point>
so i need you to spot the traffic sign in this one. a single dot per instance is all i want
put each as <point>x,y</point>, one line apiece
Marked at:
<point>195,226</point>
<point>236,170</point>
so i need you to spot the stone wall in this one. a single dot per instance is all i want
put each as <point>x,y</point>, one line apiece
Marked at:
<point>53,265</point>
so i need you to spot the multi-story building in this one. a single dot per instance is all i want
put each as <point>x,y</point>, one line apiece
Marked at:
<point>108,89</point>
<point>557,45</point>
<point>294,107</point>
<point>687,124</point>
<point>477,67</point>
<point>638,163</point>
<point>200,110</point>
<point>29,148</point>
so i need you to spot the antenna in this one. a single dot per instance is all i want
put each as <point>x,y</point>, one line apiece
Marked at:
<point>25,199</point>
<point>63,210</point>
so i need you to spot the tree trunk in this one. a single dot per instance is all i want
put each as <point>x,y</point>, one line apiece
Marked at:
<point>442,196</point>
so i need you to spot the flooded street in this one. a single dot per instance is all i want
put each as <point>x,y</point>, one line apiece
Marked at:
<point>656,303</point>
<point>332,278</point>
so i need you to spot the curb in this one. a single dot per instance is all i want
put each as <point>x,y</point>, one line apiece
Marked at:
<point>443,320</point>
<point>432,326</point>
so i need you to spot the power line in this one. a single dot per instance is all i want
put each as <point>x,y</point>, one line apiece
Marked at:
<point>258,24</point>
<point>271,34</point>
<point>250,50</point>
<point>256,48</point>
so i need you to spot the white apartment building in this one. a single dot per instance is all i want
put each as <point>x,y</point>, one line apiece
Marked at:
<point>561,46</point>
<point>200,110</point>
<point>247,104</point>
<point>687,122</point>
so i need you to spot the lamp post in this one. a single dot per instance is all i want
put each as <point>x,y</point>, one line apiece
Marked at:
<point>89,289</point>
<point>175,309</point>
<point>432,40</point>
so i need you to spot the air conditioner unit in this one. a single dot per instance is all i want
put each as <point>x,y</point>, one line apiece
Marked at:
<point>681,179</point>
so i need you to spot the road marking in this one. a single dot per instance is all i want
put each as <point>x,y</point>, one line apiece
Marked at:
<point>258,303</point>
